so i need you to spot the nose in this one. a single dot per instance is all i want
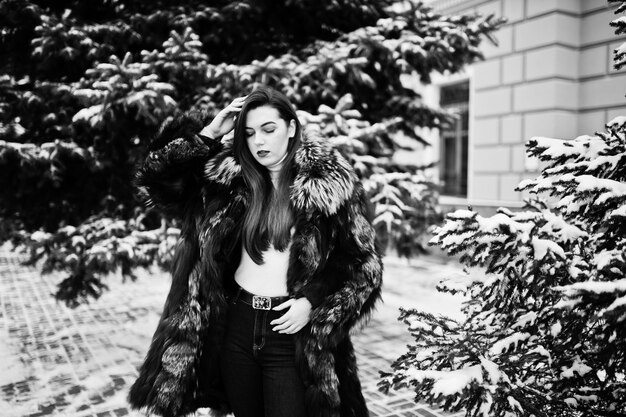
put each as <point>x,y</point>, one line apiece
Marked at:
<point>258,140</point>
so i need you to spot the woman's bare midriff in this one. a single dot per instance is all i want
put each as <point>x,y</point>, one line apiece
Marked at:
<point>269,278</point>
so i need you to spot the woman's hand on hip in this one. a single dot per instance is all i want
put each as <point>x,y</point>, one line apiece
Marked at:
<point>295,318</point>
<point>224,122</point>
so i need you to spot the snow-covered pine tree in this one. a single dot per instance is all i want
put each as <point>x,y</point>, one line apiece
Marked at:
<point>100,77</point>
<point>100,246</point>
<point>545,322</point>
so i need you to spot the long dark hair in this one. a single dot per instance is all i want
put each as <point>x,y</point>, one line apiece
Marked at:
<point>270,215</point>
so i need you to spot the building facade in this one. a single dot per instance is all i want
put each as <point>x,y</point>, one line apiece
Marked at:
<point>551,74</point>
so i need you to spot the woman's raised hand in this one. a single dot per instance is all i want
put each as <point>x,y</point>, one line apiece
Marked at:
<point>225,120</point>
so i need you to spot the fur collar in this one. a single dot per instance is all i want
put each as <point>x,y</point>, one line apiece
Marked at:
<point>323,182</point>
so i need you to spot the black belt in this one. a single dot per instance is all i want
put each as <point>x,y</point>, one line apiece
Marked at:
<point>259,302</point>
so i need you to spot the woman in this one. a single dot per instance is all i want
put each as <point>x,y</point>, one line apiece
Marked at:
<point>275,265</point>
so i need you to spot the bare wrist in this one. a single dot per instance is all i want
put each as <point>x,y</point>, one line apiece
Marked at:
<point>307,301</point>
<point>208,132</point>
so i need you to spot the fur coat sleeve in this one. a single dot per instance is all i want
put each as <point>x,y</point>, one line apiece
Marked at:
<point>170,176</point>
<point>343,295</point>
<point>335,314</point>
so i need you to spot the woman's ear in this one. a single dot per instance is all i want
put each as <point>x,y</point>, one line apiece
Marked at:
<point>291,130</point>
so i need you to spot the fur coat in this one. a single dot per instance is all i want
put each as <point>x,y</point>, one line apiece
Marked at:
<point>333,262</point>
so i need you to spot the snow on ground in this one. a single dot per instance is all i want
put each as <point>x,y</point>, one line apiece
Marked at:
<point>60,361</point>
<point>12,369</point>
<point>412,284</point>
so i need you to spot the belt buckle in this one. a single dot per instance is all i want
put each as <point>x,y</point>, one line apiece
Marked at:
<point>261,302</point>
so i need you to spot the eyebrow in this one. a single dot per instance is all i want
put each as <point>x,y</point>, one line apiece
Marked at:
<point>264,124</point>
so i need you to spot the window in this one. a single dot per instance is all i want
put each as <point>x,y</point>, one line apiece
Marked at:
<point>453,155</point>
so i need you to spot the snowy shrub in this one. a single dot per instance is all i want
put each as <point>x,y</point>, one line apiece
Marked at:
<point>544,332</point>
<point>98,247</point>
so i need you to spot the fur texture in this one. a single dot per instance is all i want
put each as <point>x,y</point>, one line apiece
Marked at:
<point>333,262</point>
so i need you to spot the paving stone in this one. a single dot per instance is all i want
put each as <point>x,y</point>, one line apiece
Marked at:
<point>426,413</point>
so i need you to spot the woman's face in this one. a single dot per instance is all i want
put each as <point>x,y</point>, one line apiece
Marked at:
<point>267,134</point>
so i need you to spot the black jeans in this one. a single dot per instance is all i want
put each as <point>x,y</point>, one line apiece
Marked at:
<point>258,365</point>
